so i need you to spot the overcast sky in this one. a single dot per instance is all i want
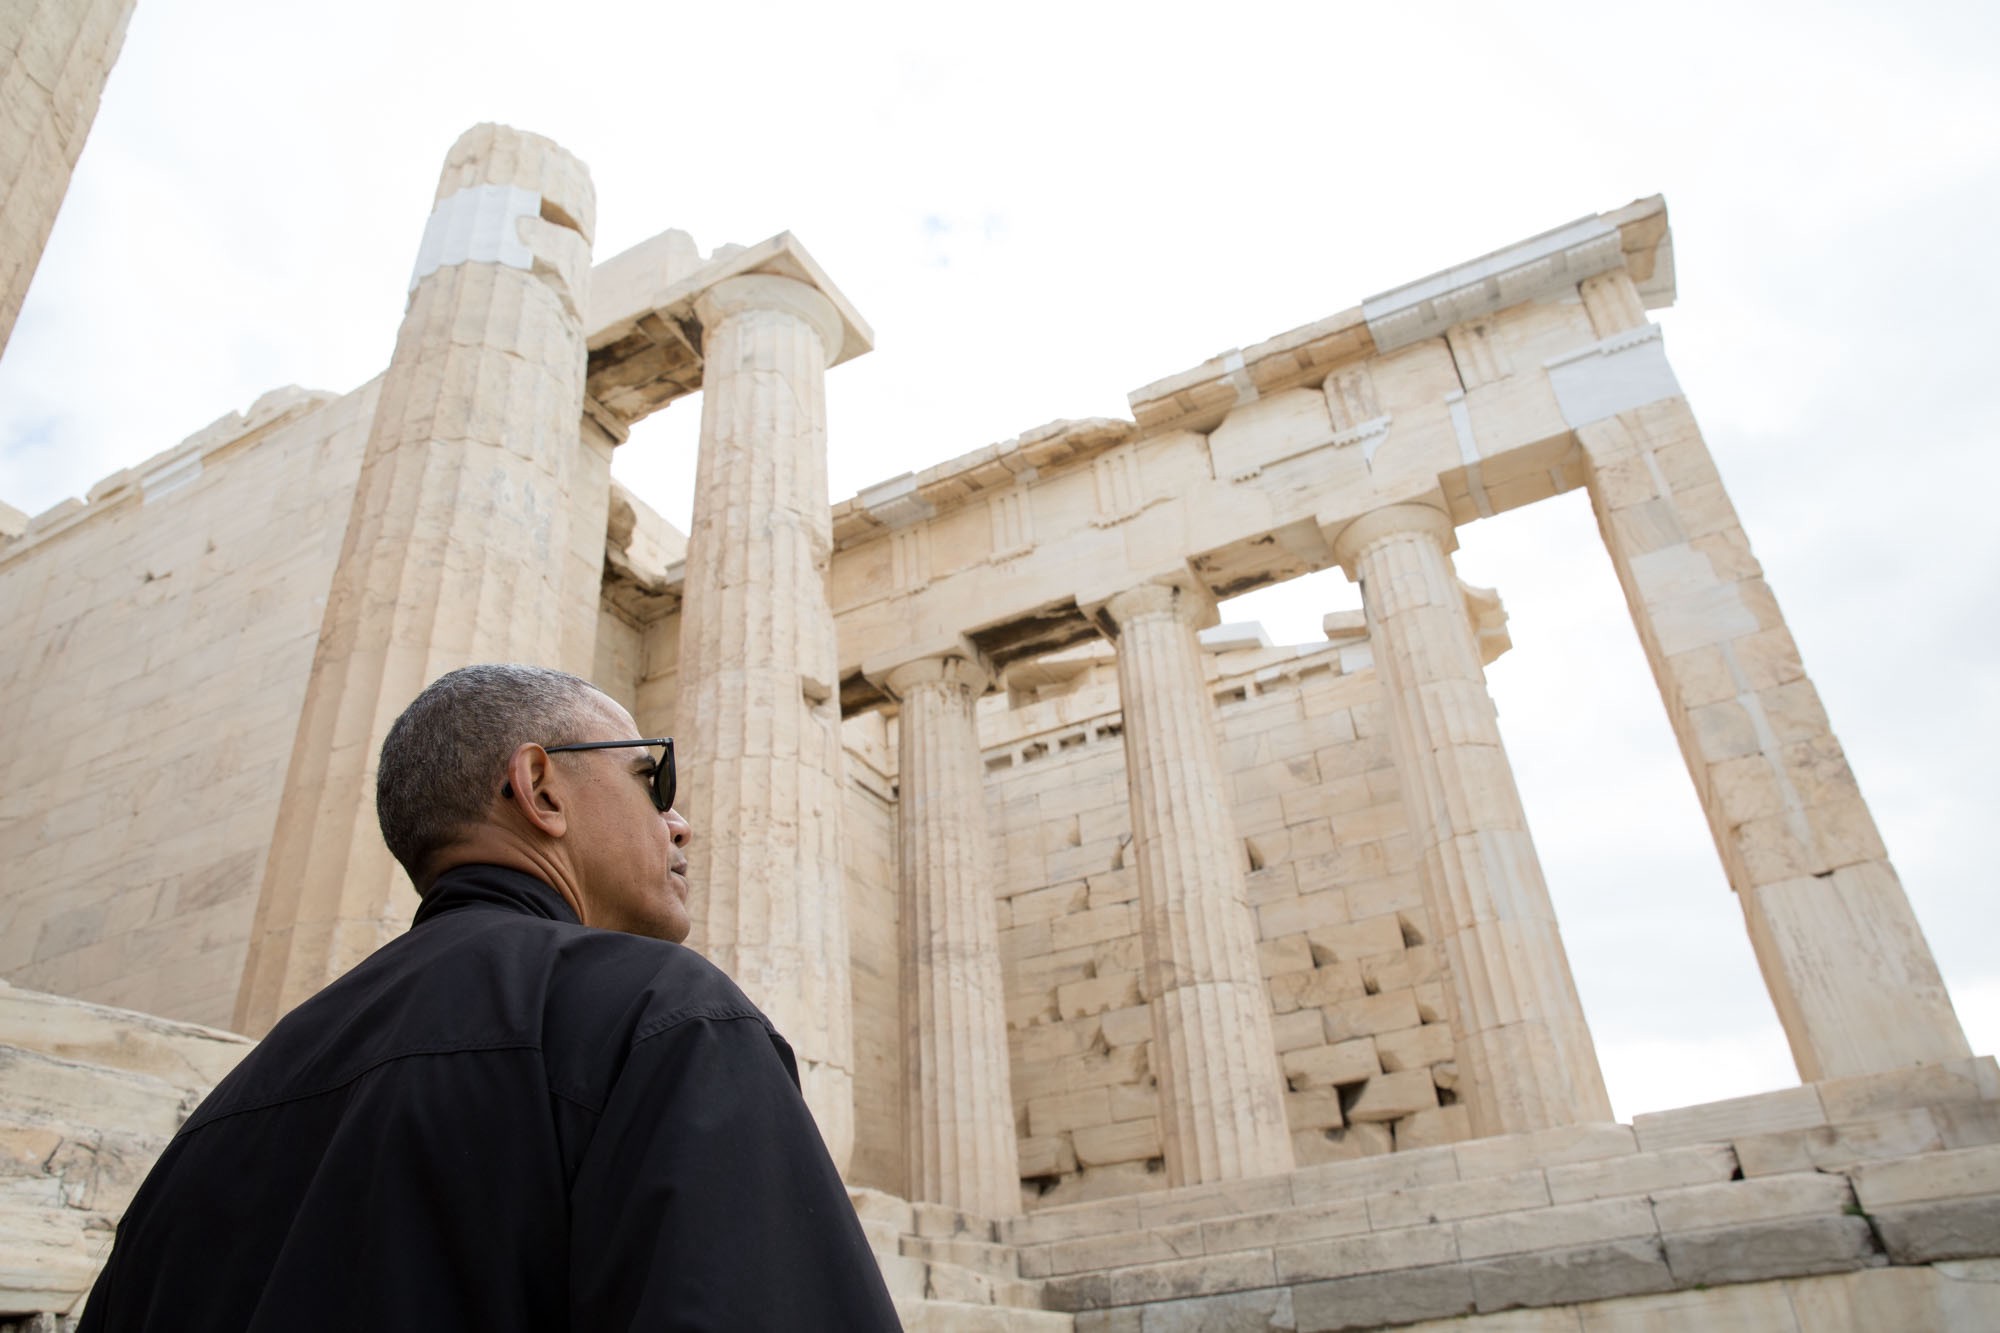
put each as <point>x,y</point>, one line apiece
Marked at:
<point>1040,207</point>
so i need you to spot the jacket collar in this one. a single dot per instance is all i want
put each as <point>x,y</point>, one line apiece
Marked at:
<point>492,886</point>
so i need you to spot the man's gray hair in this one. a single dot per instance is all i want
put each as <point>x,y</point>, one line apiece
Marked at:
<point>445,758</point>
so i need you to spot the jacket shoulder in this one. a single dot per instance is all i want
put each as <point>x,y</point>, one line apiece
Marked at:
<point>609,992</point>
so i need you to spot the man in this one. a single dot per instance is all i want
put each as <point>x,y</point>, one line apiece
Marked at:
<point>533,1111</point>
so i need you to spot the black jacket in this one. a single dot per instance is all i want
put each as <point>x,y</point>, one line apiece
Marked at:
<point>502,1120</point>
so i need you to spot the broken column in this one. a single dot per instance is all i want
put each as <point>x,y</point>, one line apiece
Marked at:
<point>455,545</point>
<point>759,712</point>
<point>1850,973</point>
<point>959,1110</point>
<point>54,59</point>
<point>1222,1109</point>
<point>1523,1048</point>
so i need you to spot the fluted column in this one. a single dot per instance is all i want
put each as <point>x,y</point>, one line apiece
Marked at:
<point>1222,1106</point>
<point>455,545</point>
<point>1524,1051</point>
<point>960,1112</point>
<point>583,563</point>
<point>1850,973</point>
<point>54,58</point>
<point>759,705</point>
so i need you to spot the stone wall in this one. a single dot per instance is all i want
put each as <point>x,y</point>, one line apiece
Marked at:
<point>1344,938</point>
<point>160,637</point>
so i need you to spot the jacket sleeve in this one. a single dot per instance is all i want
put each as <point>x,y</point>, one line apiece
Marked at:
<point>706,1199</point>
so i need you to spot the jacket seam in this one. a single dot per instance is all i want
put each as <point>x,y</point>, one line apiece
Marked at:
<point>308,1094</point>
<point>717,1010</point>
<point>576,1100</point>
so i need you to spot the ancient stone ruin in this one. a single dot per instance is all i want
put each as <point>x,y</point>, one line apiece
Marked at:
<point>1143,974</point>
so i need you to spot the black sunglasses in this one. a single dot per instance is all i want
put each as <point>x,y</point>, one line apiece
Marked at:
<point>662,781</point>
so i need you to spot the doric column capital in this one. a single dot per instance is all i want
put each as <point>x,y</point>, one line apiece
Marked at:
<point>950,660</point>
<point>1353,539</point>
<point>1189,603</point>
<point>769,291</point>
<point>967,672</point>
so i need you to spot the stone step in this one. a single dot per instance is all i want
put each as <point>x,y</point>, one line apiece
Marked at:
<point>1825,1126</point>
<point>937,1221</point>
<point>985,1256</point>
<point>883,1238</point>
<point>49,1252</point>
<point>913,1279</point>
<point>951,1282</point>
<point>952,1317</point>
<point>45,1089</point>
<point>872,1205</point>
<point>184,1055</point>
<point>1757,1189</point>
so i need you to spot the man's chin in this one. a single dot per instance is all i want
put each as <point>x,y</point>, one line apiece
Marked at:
<point>678,923</point>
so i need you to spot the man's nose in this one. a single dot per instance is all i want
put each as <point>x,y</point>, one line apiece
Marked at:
<point>677,827</point>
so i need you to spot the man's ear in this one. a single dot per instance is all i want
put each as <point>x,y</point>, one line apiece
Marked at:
<point>534,791</point>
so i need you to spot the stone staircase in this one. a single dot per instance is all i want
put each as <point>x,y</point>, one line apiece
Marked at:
<point>89,1097</point>
<point>1850,1206</point>
<point>949,1272</point>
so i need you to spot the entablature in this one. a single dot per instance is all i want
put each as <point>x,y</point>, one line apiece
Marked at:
<point>1011,547</point>
<point>1460,390</point>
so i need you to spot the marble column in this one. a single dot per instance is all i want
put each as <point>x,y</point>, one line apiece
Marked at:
<point>959,1122</point>
<point>1525,1055</point>
<point>54,58</point>
<point>583,563</point>
<point>1222,1107</point>
<point>455,545</point>
<point>1850,973</point>
<point>759,711</point>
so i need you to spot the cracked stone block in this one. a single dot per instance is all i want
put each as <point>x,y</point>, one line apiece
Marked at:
<point>1949,1229</point>
<point>1372,1300</point>
<point>1790,1247</point>
<point>1565,1277</point>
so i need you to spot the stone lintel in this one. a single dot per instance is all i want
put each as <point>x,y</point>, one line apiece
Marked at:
<point>1649,248</point>
<point>645,337</point>
<point>1520,272</point>
<point>615,313</point>
<point>1198,398</point>
<point>1237,634</point>
<point>916,496</point>
<point>1635,237</point>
